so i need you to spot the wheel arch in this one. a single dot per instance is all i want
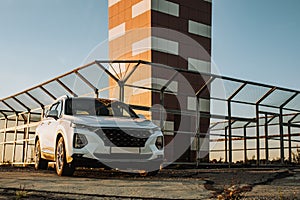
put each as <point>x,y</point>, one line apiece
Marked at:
<point>68,156</point>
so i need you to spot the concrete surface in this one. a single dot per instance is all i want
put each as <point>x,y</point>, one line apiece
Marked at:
<point>105,186</point>
<point>251,183</point>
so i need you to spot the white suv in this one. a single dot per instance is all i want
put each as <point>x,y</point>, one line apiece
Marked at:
<point>92,132</point>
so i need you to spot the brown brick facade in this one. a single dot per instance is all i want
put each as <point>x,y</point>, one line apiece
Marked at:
<point>189,17</point>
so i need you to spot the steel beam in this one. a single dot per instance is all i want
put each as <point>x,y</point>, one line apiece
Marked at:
<point>26,138</point>
<point>293,118</point>
<point>289,99</point>
<point>107,71</point>
<point>230,120</point>
<point>290,144</point>
<point>48,93</point>
<point>122,90</point>
<point>12,109</point>
<point>266,138</point>
<point>257,122</point>
<point>66,88</point>
<point>15,139</point>
<point>116,73</point>
<point>281,136</point>
<point>210,80</point>
<point>34,99</point>
<point>4,140</point>
<point>257,136</point>
<point>22,104</point>
<point>245,143</point>
<point>132,71</point>
<point>89,84</point>
<point>226,145</point>
<point>4,115</point>
<point>229,132</point>
<point>290,135</point>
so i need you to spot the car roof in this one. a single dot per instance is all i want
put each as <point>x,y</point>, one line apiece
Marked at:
<point>102,100</point>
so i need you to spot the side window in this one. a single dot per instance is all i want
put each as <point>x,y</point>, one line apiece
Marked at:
<point>53,107</point>
<point>59,108</point>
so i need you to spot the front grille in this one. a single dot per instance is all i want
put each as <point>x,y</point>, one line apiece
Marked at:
<point>123,137</point>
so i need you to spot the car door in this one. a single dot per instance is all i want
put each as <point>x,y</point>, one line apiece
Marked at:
<point>50,129</point>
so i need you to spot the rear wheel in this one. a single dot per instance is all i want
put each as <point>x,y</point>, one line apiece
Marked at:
<point>40,163</point>
<point>62,167</point>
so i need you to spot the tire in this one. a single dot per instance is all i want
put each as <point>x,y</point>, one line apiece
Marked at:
<point>40,163</point>
<point>62,167</point>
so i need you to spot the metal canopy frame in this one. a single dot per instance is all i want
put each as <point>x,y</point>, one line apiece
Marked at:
<point>284,103</point>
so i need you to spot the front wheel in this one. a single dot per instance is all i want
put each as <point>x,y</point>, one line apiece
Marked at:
<point>62,167</point>
<point>40,163</point>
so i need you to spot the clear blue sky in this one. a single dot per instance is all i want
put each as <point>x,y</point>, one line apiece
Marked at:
<point>40,40</point>
<point>258,40</point>
<point>254,40</point>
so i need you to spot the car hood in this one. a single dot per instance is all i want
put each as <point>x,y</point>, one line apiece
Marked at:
<point>122,122</point>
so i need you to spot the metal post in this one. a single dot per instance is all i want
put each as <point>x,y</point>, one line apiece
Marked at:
<point>290,122</point>
<point>15,139</point>
<point>272,89</point>
<point>266,138</point>
<point>281,136</point>
<point>43,113</point>
<point>257,137</point>
<point>229,119</point>
<point>198,130</point>
<point>4,139</point>
<point>226,154</point>
<point>162,103</point>
<point>290,143</point>
<point>121,85</point>
<point>26,138</point>
<point>245,144</point>
<point>198,116</point>
<point>229,133</point>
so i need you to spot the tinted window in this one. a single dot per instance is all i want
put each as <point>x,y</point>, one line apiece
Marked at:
<point>98,107</point>
<point>57,106</point>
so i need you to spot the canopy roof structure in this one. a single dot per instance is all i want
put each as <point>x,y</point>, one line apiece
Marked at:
<point>234,103</point>
<point>85,81</point>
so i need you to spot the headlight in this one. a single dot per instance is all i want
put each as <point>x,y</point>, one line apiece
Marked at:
<point>79,126</point>
<point>83,126</point>
<point>79,141</point>
<point>155,130</point>
<point>159,142</point>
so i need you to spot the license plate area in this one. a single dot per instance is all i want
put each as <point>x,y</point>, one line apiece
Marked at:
<point>125,150</point>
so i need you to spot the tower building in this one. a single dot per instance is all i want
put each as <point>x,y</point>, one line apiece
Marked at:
<point>175,33</point>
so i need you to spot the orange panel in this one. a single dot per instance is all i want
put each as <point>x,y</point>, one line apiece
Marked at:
<point>128,14</point>
<point>135,1</point>
<point>122,5</point>
<point>141,20</point>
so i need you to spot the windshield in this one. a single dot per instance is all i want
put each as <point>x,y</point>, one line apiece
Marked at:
<point>98,107</point>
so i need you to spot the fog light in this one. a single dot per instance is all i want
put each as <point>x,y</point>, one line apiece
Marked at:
<point>159,142</point>
<point>80,141</point>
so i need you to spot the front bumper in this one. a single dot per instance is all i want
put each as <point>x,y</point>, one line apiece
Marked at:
<point>148,165</point>
<point>99,152</point>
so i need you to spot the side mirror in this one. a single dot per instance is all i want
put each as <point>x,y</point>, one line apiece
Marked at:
<point>53,114</point>
<point>141,116</point>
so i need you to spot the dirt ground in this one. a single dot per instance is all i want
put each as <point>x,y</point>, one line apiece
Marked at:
<point>250,183</point>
